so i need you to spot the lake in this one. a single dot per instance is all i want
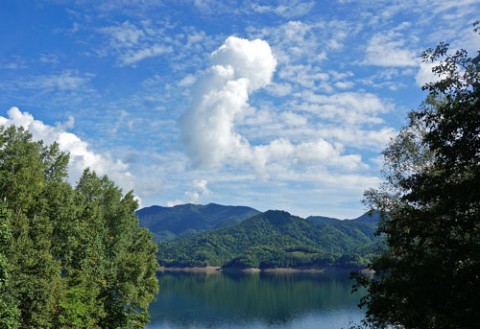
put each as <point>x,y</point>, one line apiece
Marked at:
<point>258,301</point>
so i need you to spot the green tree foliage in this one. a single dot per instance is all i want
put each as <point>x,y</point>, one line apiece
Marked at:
<point>69,257</point>
<point>429,277</point>
<point>8,307</point>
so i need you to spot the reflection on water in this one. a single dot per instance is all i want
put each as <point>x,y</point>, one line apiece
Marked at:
<point>234,301</point>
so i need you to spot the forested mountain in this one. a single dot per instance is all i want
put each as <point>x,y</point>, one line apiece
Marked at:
<point>275,239</point>
<point>169,222</point>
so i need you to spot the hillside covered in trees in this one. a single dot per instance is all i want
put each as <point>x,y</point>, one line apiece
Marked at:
<point>277,239</point>
<point>70,257</point>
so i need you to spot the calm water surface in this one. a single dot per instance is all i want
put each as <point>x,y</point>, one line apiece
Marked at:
<point>257,301</point>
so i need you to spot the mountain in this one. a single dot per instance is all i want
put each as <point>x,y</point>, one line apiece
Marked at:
<point>170,222</point>
<point>274,239</point>
<point>368,217</point>
<point>363,225</point>
<point>325,220</point>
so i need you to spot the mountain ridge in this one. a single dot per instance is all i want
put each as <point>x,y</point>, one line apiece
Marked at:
<point>273,239</point>
<point>191,235</point>
<point>170,222</point>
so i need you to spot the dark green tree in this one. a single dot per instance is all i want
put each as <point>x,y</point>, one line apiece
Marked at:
<point>69,258</point>
<point>9,312</point>
<point>121,255</point>
<point>34,271</point>
<point>429,276</point>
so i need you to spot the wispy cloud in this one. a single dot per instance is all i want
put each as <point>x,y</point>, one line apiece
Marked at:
<point>196,195</point>
<point>285,8</point>
<point>389,50</point>
<point>348,108</point>
<point>132,43</point>
<point>135,43</point>
<point>65,81</point>
<point>133,57</point>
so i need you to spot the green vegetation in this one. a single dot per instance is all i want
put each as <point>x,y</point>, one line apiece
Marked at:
<point>275,239</point>
<point>429,276</point>
<point>69,257</point>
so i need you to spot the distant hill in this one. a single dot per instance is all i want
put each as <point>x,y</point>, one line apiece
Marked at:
<point>366,224</point>
<point>325,220</point>
<point>369,217</point>
<point>276,239</point>
<point>170,222</point>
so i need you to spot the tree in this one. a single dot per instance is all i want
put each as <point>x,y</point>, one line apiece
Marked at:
<point>120,255</point>
<point>429,276</point>
<point>9,313</point>
<point>69,257</point>
<point>34,271</point>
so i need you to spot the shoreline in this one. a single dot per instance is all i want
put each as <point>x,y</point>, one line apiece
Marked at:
<point>206,269</point>
<point>276,270</point>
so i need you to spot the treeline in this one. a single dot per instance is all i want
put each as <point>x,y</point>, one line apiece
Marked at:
<point>265,258</point>
<point>70,257</point>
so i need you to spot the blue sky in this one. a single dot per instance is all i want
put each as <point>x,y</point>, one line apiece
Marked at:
<point>271,104</point>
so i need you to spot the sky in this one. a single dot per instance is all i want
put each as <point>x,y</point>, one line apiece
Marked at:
<point>283,104</point>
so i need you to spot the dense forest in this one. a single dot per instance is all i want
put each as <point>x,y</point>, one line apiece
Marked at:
<point>276,239</point>
<point>70,257</point>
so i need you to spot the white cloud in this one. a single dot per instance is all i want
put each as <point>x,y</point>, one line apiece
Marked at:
<point>344,84</point>
<point>280,89</point>
<point>425,74</point>
<point>204,5</point>
<point>133,43</point>
<point>220,98</point>
<point>288,9</point>
<point>252,62</point>
<point>301,48</point>
<point>196,195</point>
<point>187,81</point>
<point>306,76</point>
<point>125,34</point>
<point>358,137</point>
<point>81,156</point>
<point>347,108</point>
<point>389,49</point>
<point>13,64</point>
<point>297,41</point>
<point>293,119</point>
<point>134,56</point>
<point>318,152</point>
<point>65,81</point>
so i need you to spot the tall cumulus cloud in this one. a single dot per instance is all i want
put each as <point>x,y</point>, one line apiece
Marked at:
<point>220,98</point>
